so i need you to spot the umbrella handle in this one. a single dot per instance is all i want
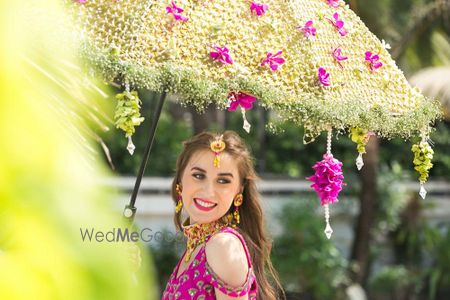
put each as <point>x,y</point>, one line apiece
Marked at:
<point>130,209</point>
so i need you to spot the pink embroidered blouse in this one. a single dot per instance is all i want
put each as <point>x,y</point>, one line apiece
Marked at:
<point>198,281</point>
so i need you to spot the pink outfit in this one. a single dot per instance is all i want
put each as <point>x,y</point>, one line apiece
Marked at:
<point>198,281</point>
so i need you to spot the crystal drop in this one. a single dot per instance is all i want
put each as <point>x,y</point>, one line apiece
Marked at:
<point>328,231</point>
<point>359,162</point>
<point>130,146</point>
<point>423,192</point>
<point>246,126</point>
<point>246,123</point>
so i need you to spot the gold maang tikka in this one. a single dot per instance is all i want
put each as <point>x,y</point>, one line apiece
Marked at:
<point>217,146</point>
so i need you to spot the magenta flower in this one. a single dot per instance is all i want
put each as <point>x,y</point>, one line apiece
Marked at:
<point>324,77</point>
<point>328,179</point>
<point>373,60</point>
<point>81,1</point>
<point>273,60</point>
<point>333,3</point>
<point>240,99</point>
<point>338,56</point>
<point>338,24</point>
<point>259,8</point>
<point>221,54</point>
<point>176,12</point>
<point>308,30</point>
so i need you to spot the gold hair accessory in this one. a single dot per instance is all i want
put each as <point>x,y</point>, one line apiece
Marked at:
<point>217,146</point>
<point>180,200</point>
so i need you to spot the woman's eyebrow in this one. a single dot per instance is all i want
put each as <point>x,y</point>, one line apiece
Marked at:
<point>225,174</point>
<point>220,174</point>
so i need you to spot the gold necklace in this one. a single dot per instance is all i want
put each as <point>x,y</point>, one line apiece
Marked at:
<point>198,233</point>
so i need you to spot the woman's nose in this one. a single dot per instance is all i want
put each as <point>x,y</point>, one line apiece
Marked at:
<point>209,188</point>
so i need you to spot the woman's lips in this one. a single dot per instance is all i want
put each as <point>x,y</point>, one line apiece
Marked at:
<point>204,205</point>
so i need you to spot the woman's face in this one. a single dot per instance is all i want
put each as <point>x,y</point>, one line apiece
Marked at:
<point>207,191</point>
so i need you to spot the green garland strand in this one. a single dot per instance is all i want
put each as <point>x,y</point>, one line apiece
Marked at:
<point>423,154</point>
<point>128,115</point>
<point>360,137</point>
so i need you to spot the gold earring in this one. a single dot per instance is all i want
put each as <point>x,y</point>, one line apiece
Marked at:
<point>180,200</point>
<point>237,202</point>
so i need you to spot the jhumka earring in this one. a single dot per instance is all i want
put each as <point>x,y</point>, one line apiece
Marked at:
<point>217,146</point>
<point>180,201</point>
<point>237,202</point>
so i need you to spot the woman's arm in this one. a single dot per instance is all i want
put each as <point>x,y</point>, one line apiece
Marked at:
<point>226,257</point>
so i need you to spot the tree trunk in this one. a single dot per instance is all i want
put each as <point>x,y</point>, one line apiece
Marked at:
<point>362,233</point>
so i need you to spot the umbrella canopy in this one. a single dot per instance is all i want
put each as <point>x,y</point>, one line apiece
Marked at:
<point>314,62</point>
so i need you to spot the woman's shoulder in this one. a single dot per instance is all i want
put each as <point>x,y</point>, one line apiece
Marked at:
<point>226,255</point>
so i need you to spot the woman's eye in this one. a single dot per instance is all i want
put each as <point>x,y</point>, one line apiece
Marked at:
<point>198,175</point>
<point>223,181</point>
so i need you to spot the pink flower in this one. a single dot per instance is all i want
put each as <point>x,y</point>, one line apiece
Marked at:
<point>81,1</point>
<point>373,60</point>
<point>333,3</point>
<point>339,24</point>
<point>308,30</point>
<point>259,8</point>
<point>273,60</point>
<point>176,11</point>
<point>221,54</point>
<point>324,77</point>
<point>338,56</point>
<point>328,179</point>
<point>242,99</point>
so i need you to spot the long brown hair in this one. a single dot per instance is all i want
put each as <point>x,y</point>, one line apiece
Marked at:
<point>252,225</point>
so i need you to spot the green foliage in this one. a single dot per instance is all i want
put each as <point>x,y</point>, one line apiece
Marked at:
<point>306,261</point>
<point>394,282</point>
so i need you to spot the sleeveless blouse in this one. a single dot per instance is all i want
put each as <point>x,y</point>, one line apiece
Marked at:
<point>198,281</point>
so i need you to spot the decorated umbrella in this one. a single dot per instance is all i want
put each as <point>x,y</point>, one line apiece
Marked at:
<point>313,62</point>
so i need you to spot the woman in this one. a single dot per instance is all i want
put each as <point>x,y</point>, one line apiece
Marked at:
<point>227,254</point>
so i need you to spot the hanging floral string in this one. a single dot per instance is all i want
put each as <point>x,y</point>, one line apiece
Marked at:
<point>128,115</point>
<point>423,154</point>
<point>327,182</point>
<point>243,100</point>
<point>360,137</point>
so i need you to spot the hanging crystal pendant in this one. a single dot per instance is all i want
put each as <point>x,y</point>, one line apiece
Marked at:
<point>422,192</point>
<point>359,162</point>
<point>130,146</point>
<point>246,123</point>
<point>328,230</point>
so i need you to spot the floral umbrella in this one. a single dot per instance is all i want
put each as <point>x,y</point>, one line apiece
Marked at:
<point>312,61</point>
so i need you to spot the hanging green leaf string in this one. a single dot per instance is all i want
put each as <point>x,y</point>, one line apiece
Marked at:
<point>423,154</point>
<point>360,137</point>
<point>128,114</point>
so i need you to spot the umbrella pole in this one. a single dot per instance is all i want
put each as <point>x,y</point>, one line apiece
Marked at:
<point>130,209</point>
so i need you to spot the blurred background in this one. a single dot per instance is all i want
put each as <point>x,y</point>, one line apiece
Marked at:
<point>58,138</point>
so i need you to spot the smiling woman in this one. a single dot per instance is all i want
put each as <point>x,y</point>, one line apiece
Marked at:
<point>227,254</point>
